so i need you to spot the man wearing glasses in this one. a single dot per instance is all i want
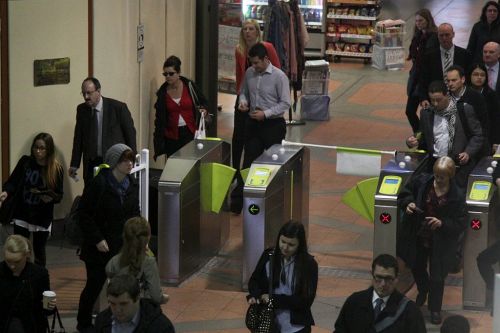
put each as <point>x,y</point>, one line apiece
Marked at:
<point>101,122</point>
<point>380,308</point>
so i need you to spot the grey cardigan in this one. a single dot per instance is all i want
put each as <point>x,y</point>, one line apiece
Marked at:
<point>149,276</point>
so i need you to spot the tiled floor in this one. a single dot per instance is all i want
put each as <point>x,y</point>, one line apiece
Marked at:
<point>367,111</point>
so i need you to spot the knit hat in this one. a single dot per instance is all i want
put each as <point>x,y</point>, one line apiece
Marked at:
<point>114,153</point>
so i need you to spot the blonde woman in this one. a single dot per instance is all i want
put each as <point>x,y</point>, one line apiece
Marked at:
<point>22,284</point>
<point>38,179</point>
<point>249,36</point>
<point>136,259</point>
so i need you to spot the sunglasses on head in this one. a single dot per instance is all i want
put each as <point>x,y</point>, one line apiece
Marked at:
<point>169,74</point>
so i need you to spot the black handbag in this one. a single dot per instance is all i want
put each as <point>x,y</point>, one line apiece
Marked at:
<point>52,328</point>
<point>9,204</point>
<point>260,316</point>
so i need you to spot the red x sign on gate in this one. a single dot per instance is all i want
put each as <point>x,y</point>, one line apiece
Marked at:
<point>475,224</point>
<point>385,218</point>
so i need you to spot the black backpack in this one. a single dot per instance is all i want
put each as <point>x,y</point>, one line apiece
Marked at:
<point>72,231</point>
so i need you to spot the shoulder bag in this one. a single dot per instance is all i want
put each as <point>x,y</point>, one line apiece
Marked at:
<point>9,204</point>
<point>260,316</point>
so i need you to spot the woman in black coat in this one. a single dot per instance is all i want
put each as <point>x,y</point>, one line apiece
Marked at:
<point>36,185</point>
<point>486,30</point>
<point>424,39</point>
<point>22,284</point>
<point>178,107</point>
<point>295,279</point>
<point>434,218</point>
<point>478,80</point>
<point>110,200</point>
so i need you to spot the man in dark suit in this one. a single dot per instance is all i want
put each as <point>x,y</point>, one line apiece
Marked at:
<point>438,60</point>
<point>443,132</point>
<point>491,53</point>
<point>460,93</point>
<point>380,308</point>
<point>101,122</point>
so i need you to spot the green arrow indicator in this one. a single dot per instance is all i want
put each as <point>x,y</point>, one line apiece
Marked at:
<point>253,209</point>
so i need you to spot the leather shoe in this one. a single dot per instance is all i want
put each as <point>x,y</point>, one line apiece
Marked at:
<point>421,298</point>
<point>436,318</point>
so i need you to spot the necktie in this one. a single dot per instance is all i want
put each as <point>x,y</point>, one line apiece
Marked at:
<point>491,80</point>
<point>447,61</point>
<point>93,134</point>
<point>378,308</point>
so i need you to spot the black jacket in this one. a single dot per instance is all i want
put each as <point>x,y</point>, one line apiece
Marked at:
<point>482,33</point>
<point>102,216</point>
<point>356,315</point>
<point>472,145</point>
<point>117,127</point>
<point>30,207</point>
<point>161,113</point>
<point>445,238</point>
<point>493,106</point>
<point>433,68</point>
<point>21,297</point>
<point>152,320</point>
<point>299,305</point>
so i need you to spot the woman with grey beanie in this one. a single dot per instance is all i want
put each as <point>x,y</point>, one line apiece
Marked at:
<point>110,200</point>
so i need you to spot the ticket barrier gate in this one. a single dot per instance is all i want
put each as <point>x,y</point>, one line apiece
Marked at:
<point>188,236</point>
<point>393,177</point>
<point>482,211</point>
<point>276,191</point>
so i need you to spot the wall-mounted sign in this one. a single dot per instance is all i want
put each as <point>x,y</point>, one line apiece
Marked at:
<point>50,71</point>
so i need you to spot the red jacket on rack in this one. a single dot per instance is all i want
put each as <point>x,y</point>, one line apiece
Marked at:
<point>241,62</point>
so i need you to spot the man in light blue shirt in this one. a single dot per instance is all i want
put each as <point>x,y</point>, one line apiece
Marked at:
<point>265,95</point>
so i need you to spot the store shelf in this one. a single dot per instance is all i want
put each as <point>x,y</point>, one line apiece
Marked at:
<point>311,6</point>
<point>351,17</point>
<point>258,3</point>
<point>354,2</point>
<point>313,23</point>
<point>350,36</point>
<point>349,54</point>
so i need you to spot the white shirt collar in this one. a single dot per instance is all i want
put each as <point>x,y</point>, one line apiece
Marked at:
<point>376,296</point>
<point>99,105</point>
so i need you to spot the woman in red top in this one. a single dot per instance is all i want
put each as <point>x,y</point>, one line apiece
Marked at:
<point>249,36</point>
<point>178,107</point>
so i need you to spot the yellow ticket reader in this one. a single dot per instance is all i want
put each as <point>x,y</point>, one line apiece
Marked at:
<point>482,211</point>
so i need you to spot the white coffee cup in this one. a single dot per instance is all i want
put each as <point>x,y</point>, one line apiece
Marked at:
<point>48,295</point>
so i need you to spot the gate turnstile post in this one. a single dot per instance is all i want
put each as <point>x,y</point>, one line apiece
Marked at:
<point>276,191</point>
<point>188,236</point>
<point>393,177</point>
<point>481,199</point>
<point>496,305</point>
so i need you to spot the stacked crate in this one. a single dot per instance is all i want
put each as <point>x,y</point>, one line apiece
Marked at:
<point>314,102</point>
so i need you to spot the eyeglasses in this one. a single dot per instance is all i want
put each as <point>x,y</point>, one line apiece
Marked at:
<point>386,279</point>
<point>85,93</point>
<point>165,74</point>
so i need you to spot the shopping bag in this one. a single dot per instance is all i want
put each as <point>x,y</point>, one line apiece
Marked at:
<point>200,132</point>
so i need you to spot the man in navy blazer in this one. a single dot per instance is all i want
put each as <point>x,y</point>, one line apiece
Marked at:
<point>100,123</point>
<point>435,59</point>
<point>380,308</point>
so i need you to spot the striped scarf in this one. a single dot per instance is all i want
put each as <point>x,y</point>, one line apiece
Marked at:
<point>450,114</point>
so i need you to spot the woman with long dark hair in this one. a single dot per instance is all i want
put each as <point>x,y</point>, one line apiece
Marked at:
<point>39,178</point>
<point>478,80</point>
<point>487,29</point>
<point>136,258</point>
<point>295,279</point>
<point>424,39</point>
